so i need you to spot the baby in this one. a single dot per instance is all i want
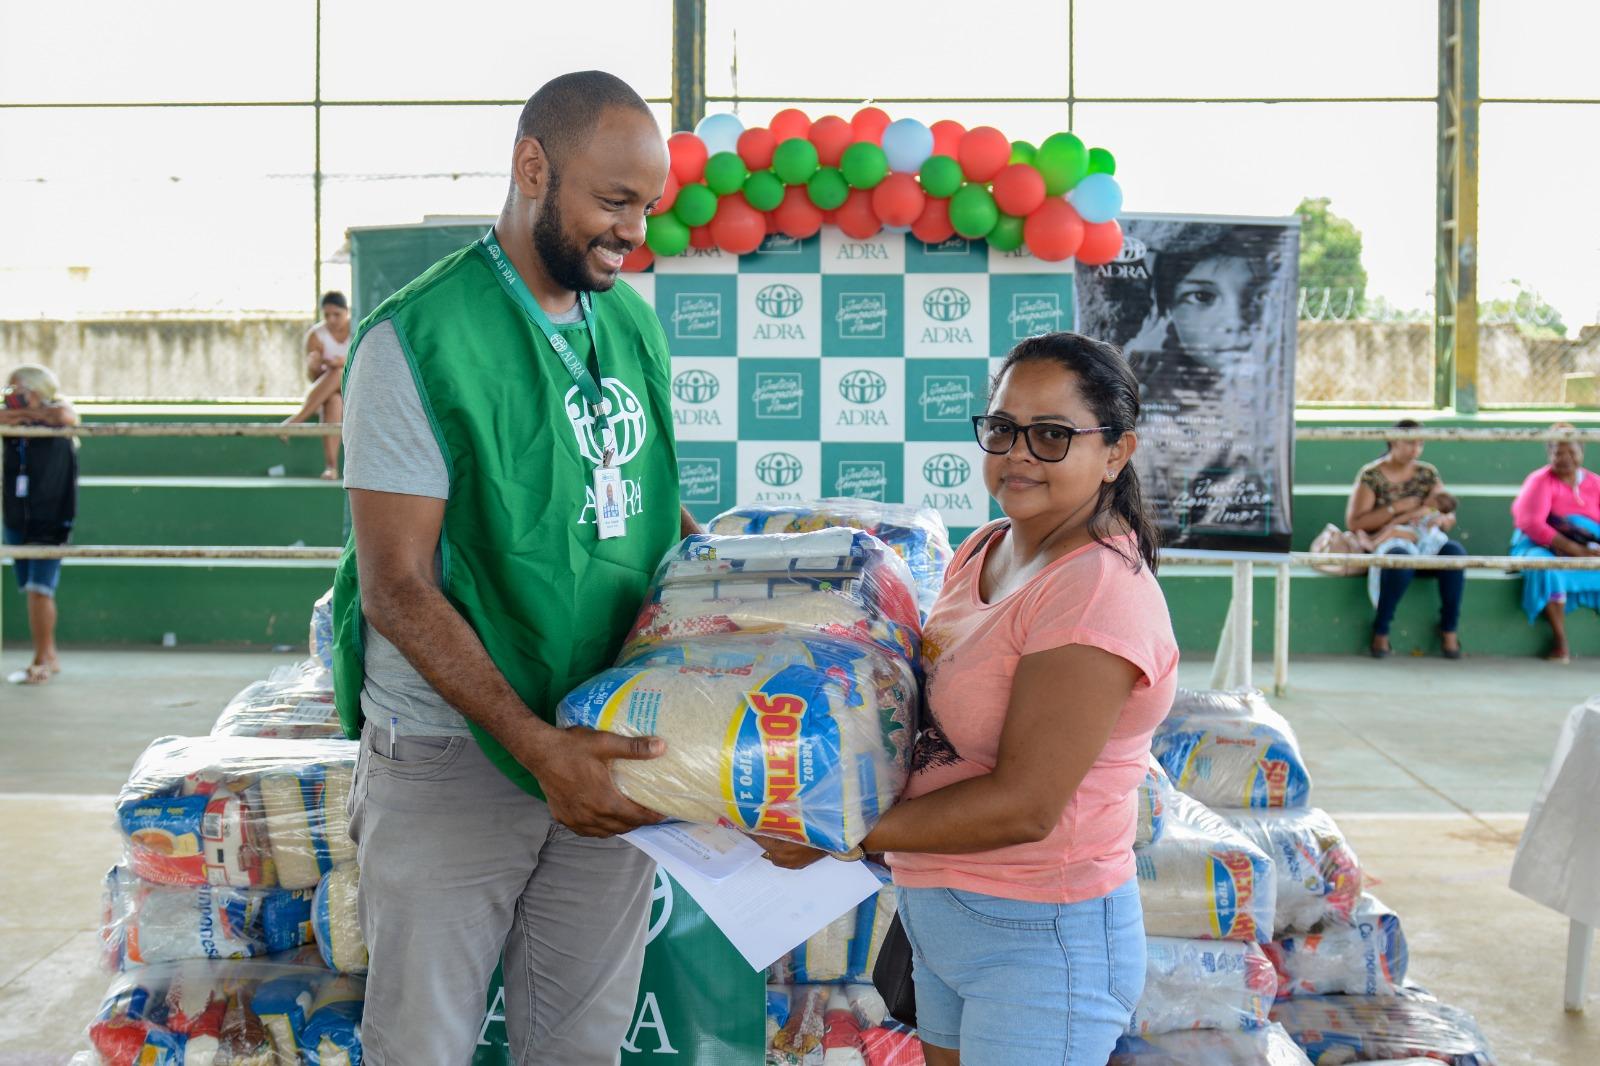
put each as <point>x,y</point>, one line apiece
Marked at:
<point>1422,528</point>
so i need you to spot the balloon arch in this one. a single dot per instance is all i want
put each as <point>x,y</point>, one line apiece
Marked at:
<point>730,187</point>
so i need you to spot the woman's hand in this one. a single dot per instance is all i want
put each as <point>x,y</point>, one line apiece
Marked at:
<point>786,854</point>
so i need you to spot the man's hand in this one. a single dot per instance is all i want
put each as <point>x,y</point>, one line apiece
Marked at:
<point>786,854</point>
<point>574,769</point>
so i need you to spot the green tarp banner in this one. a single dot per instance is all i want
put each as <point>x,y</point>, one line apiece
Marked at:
<point>699,1001</point>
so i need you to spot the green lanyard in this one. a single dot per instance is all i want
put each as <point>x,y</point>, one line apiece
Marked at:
<point>517,289</point>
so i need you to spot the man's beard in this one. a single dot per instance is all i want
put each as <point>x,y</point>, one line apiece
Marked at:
<point>566,263</point>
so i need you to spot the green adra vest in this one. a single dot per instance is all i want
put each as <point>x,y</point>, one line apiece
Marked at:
<point>521,560</point>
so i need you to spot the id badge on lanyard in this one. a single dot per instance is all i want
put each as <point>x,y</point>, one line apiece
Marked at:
<point>607,478</point>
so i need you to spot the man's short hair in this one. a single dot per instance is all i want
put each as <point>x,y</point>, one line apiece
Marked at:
<point>335,298</point>
<point>562,115</point>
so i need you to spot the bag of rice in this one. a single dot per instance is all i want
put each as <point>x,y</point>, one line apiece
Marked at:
<point>1153,801</point>
<point>1229,749</point>
<point>1203,879</point>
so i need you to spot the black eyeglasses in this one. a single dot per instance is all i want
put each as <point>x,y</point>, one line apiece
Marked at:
<point>1047,441</point>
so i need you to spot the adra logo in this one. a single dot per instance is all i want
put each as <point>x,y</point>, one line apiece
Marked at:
<point>863,386</point>
<point>625,419</point>
<point>696,386</point>
<point>946,471</point>
<point>779,301</point>
<point>946,304</point>
<point>779,469</point>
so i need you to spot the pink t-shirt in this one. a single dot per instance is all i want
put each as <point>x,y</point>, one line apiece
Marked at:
<point>1091,596</point>
<point>1543,494</point>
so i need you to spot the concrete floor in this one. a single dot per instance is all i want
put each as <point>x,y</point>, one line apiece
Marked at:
<point>1429,766</point>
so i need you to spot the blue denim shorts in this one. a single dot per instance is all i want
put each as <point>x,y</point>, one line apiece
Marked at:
<point>33,575</point>
<point>1013,983</point>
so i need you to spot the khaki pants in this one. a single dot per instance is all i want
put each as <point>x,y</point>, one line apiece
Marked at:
<point>459,868</point>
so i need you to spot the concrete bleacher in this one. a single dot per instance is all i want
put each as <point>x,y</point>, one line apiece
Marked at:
<point>261,491</point>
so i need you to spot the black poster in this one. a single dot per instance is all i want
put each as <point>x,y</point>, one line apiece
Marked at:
<point>1204,309</point>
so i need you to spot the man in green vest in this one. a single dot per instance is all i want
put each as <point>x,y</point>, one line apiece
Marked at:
<point>513,484</point>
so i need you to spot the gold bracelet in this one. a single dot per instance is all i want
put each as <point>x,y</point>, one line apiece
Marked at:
<point>849,856</point>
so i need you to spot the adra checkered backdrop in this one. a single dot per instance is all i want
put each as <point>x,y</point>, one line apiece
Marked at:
<point>837,367</point>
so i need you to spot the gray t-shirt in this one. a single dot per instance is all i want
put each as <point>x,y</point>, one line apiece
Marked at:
<point>389,446</point>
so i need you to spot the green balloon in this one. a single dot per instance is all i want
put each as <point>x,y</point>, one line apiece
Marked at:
<point>725,173</point>
<point>972,211</point>
<point>1007,234</point>
<point>696,205</point>
<point>1101,161</point>
<point>666,234</point>
<point>828,189</point>
<point>1022,152</point>
<point>864,165</point>
<point>763,190</point>
<point>795,161</point>
<point>1063,160</point>
<point>941,176</point>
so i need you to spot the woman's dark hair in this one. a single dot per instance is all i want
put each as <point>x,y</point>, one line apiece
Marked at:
<point>336,298</point>
<point>1404,423</point>
<point>1172,267</point>
<point>1109,389</point>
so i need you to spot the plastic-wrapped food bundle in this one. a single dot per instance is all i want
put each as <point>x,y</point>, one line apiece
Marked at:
<point>838,582</point>
<point>835,1025</point>
<point>1203,879</point>
<point>240,811</point>
<point>245,1013</point>
<point>1153,792</point>
<point>321,642</point>
<point>1319,877</point>
<point>917,534</point>
<point>1365,955</point>
<point>145,923</point>
<point>845,950</point>
<point>1340,1029</point>
<point>1203,984</point>
<point>293,702</point>
<point>1229,749</point>
<point>336,922</point>
<point>1270,1046</point>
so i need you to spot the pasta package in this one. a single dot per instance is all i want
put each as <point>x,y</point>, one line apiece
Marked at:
<point>145,923</point>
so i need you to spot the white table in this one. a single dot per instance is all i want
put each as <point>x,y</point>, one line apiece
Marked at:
<point>1558,860</point>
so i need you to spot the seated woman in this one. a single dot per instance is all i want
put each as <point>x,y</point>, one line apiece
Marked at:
<point>1558,513</point>
<point>1391,497</point>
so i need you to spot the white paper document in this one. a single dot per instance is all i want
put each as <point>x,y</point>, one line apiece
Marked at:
<point>762,910</point>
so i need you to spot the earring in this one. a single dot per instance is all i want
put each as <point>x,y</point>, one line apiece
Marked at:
<point>1110,476</point>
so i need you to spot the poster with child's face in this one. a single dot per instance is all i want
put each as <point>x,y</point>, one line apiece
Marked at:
<point>1204,309</point>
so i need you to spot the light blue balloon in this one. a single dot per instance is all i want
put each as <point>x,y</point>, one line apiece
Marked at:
<point>1097,197</point>
<point>720,133</point>
<point>908,144</point>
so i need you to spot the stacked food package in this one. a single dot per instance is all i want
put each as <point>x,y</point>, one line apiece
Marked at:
<point>230,922</point>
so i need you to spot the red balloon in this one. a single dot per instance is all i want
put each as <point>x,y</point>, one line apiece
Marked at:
<point>1101,243</point>
<point>756,146</point>
<point>669,194</point>
<point>869,124</point>
<point>797,216</point>
<point>947,134</point>
<point>638,260</point>
<point>1018,190</point>
<point>830,218</point>
<point>831,135</point>
<point>984,151</point>
<point>738,228</point>
<point>772,223</point>
<point>898,200</point>
<point>688,155</point>
<point>1053,231</point>
<point>700,237</point>
<point>790,122</point>
<point>856,217</point>
<point>933,225</point>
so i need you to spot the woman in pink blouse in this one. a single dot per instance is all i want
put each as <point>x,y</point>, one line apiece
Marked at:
<point>1558,513</point>
<point>1049,660</point>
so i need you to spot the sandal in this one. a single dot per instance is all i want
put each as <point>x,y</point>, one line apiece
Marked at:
<point>1377,652</point>
<point>1449,653</point>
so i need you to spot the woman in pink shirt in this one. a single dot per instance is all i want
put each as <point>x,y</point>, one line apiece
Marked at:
<point>1050,660</point>
<point>1558,513</point>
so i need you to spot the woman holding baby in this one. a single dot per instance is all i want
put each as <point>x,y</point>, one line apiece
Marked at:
<point>1399,506</point>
